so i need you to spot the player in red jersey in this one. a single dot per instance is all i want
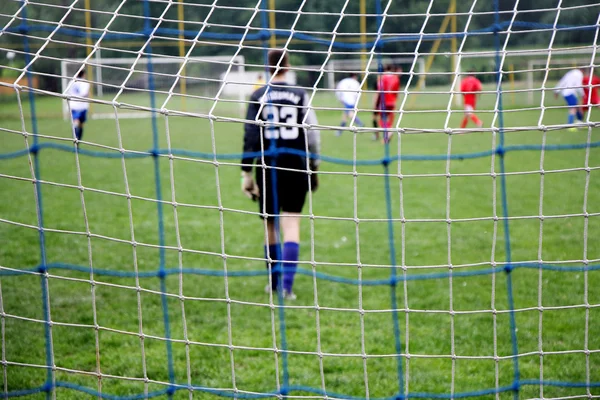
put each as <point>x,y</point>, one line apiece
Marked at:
<point>470,88</point>
<point>388,86</point>
<point>590,85</point>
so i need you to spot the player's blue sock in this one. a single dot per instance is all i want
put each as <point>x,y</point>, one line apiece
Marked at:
<point>290,264</point>
<point>273,250</point>
<point>359,122</point>
<point>571,118</point>
<point>579,115</point>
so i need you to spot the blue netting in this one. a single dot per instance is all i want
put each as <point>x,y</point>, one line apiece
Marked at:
<point>503,268</point>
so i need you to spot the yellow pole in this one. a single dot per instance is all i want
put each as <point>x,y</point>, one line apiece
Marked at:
<point>363,34</point>
<point>453,43</point>
<point>436,46</point>
<point>181,28</point>
<point>434,49</point>
<point>453,29</point>
<point>88,42</point>
<point>273,40</point>
<point>511,77</point>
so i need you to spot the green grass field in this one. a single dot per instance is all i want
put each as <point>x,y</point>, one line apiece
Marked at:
<point>211,333</point>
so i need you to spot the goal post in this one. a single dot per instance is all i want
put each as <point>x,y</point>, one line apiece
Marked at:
<point>338,69</point>
<point>537,72</point>
<point>528,68</point>
<point>112,80</point>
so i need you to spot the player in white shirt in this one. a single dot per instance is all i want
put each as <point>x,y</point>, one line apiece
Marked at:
<point>570,87</point>
<point>79,108</point>
<point>347,91</point>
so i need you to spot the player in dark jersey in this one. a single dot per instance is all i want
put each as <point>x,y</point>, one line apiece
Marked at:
<point>281,182</point>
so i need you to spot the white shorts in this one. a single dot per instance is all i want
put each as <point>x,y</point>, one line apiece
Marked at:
<point>468,108</point>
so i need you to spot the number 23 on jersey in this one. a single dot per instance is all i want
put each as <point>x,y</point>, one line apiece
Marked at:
<point>285,115</point>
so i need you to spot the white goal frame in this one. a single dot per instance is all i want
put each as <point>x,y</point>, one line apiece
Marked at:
<point>589,51</point>
<point>345,66</point>
<point>532,66</point>
<point>238,79</point>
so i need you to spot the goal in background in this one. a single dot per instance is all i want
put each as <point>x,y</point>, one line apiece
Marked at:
<point>448,263</point>
<point>195,80</point>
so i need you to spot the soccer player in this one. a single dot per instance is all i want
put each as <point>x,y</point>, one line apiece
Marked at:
<point>388,86</point>
<point>470,88</point>
<point>570,87</point>
<point>347,91</point>
<point>283,189</point>
<point>79,108</point>
<point>590,83</point>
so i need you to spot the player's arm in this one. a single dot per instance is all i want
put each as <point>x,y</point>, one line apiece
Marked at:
<point>313,137</point>
<point>560,85</point>
<point>251,145</point>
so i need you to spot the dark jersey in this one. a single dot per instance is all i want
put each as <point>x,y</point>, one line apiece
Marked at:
<point>284,110</point>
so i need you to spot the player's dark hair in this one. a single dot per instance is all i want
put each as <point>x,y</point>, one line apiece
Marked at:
<point>81,73</point>
<point>353,75</point>
<point>278,61</point>
<point>390,67</point>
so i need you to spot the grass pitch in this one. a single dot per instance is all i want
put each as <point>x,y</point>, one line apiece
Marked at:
<point>438,318</point>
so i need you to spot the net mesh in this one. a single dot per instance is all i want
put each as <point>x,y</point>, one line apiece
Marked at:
<point>450,261</point>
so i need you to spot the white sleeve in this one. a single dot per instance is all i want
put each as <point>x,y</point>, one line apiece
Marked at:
<point>313,136</point>
<point>339,91</point>
<point>561,84</point>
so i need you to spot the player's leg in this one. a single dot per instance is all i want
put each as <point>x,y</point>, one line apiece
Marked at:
<point>571,101</point>
<point>377,116</point>
<point>376,124</point>
<point>354,114</point>
<point>389,121</point>
<point>272,247</point>
<point>475,119</point>
<point>290,229</point>
<point>76,124</point>
<point>79,118</point>
<point>468,111</point>
<point>273,252</point>
<point>579,114</point>
<point>77,128</point>
<point>292,194</point>
<point>344,120</point>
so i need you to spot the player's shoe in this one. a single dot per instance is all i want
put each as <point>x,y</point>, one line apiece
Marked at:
<point>338,133</point>
<point>289,295</point>
<point>286,295</point>
<point>573,129</point>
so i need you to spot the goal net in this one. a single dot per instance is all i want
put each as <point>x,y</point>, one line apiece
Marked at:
<point>441,213</point>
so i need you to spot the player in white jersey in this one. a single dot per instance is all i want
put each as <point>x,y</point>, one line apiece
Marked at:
<point>79,107</point>
<point>347,91</point>
<point>570,87</point>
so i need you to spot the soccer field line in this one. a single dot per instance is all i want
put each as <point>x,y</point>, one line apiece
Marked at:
<point>123,153</point>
